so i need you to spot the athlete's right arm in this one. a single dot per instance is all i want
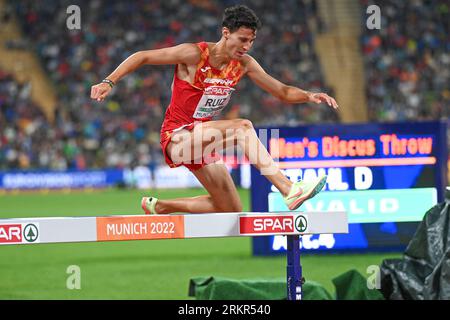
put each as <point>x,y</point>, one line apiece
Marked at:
<point>186,53</point>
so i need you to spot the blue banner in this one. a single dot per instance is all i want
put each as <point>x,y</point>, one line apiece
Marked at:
<point>22,180</point>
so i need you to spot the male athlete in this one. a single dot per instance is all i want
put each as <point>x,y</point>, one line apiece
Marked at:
<point>205,76</point>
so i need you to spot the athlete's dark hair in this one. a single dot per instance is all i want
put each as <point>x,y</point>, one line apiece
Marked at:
<point>240,16</point>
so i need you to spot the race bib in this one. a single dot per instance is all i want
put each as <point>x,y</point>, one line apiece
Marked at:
<point>214,99</point>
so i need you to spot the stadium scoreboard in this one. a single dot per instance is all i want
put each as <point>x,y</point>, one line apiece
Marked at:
<point>385,176</point>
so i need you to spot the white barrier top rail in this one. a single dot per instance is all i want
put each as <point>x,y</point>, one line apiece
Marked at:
<point>175,226</point>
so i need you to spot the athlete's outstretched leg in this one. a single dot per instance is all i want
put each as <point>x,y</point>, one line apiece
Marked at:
<point>189,146</point>
<point>213,136</point>
<point>241,132</point>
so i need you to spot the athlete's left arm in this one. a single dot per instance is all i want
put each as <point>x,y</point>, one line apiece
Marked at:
<point>282,91</point>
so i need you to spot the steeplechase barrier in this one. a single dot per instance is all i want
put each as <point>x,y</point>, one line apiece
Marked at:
<point>181,226</point>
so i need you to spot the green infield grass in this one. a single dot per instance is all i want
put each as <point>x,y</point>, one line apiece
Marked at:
<point>154,269</point>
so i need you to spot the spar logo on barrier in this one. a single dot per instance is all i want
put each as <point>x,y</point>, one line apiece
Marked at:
<point>273,224</point>
<point>10,233</point>
<point>301,224</point>
<point>19,233</point>
<point>30,233</point>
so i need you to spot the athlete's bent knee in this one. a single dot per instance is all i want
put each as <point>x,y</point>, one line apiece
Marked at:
<point>245,124</point>
<point>237,207</point>
<point>242,124</point>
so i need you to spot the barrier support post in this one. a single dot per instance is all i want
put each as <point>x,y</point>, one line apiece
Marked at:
<point>294,279</point>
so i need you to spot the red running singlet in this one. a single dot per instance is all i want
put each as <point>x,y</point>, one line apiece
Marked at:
<point>198,102</point>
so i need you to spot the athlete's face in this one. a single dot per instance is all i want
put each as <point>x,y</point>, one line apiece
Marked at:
<point>239,42</point>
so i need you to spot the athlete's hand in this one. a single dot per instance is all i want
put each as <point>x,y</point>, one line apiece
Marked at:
<point>100,91</point>
<point>322,97</point>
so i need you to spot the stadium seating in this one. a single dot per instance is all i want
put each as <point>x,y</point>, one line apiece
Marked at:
<point>407,61</point>
<point>401,68</point>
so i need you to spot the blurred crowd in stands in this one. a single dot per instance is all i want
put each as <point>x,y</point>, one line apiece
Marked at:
<point>407,61</point>
<point>124,130</point>
<point>407,71</point>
